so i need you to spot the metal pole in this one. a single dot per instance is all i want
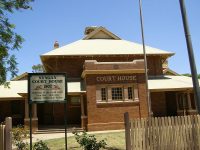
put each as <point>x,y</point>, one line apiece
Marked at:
<point>30,124</point>
<point>145,58</point>
<point>65,109</point>
<point>190,54</point>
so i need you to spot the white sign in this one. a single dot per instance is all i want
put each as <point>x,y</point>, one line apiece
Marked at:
<point>47,87</point>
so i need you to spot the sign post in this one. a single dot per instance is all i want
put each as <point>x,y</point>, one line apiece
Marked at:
<point>47,88</point>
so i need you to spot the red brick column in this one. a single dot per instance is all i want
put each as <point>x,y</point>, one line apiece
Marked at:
<point>34,118</point>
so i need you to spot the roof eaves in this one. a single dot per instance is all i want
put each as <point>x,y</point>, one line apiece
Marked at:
<point>148,54</point>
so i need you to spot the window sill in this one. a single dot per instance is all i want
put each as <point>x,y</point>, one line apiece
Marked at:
<point>117,103</point>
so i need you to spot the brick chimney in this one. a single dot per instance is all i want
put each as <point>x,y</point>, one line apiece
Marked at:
<point>56,45</point>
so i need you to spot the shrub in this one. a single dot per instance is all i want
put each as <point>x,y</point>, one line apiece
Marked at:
<point>40,145</point>
<point>89,142</point>
<point>19,134</point>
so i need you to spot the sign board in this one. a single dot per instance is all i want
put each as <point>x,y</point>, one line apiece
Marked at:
<point>46,87</point>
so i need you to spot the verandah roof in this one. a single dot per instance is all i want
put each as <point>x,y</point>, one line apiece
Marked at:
<point>21,86</point>
<point>159,83</point>
<point>170,83</point>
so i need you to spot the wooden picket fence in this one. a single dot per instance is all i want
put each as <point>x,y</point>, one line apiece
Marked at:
<point>164,133</point>
<point>2,132</point>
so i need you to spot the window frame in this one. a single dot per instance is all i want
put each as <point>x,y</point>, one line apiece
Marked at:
<point>131,92</point>
<point>119,92</point>
<point>104,94</point>
<point>109,97</point>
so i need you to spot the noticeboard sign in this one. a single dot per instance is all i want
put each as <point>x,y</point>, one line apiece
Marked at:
<point>47,87</point>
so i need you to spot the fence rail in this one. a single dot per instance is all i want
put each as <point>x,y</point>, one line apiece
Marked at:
<point>165,133</point>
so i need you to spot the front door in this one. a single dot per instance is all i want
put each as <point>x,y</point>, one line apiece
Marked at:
<point>45,114</point>
<point>74,110</point>
<point>53,113</point>
<point>171,104</point>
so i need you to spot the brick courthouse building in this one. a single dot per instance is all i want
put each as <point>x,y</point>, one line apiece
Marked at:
<point>106,78</point>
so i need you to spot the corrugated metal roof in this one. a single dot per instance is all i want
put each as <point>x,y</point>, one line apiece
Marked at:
<point>104,47</point>
<point>15,87</point>
<point>170,83</point>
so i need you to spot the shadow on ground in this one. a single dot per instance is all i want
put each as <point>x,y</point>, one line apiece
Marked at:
<point>113,148</point>
<point>107,148</point>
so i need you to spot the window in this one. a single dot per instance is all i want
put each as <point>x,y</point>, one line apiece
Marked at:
<point>117,93</point>
<point>182,101</point>
<point>130,93</point>
<point>103,94</point>
<point>75,100</point>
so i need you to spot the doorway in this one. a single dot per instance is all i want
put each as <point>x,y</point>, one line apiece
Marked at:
<point>53,113</point>
<point>171,103</point>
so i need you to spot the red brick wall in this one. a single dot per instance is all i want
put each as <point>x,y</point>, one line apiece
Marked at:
<point>106,116</point>
<point>109,116</point>
<point>73,66</point>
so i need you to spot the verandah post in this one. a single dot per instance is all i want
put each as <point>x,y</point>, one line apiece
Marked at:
<point>127,131</point>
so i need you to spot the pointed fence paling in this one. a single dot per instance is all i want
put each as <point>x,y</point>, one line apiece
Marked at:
<point>166,133</point>
<point>6,134</point>
<point>2,135</point>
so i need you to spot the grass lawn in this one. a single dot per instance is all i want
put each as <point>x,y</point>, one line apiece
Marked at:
<point>115,141</point>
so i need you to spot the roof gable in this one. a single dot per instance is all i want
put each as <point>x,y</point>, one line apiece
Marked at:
<point>101,33</point>
<point>23,76</point>
<point>168,71</point>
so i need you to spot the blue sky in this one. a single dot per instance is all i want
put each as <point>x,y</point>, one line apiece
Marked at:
<point>65,21</point>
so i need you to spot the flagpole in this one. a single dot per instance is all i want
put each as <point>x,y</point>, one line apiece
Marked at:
<point>145,59</point>
<point>190,54</point>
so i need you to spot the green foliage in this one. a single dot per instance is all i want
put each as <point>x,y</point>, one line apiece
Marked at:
<point>9,40</point>
<point>40,145</point>
<point>37,68</point>
<point>21,145</point>
<point>19,134</point>
<point>89,142</point>
<point>189,75</point>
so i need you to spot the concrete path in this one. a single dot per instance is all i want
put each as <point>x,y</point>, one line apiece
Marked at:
<point>47,136</point>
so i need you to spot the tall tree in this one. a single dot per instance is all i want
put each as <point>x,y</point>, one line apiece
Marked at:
<point>9,40</point>
<point>38,68</point>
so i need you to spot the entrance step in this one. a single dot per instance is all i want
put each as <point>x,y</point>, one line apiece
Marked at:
<point>57,129</point>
